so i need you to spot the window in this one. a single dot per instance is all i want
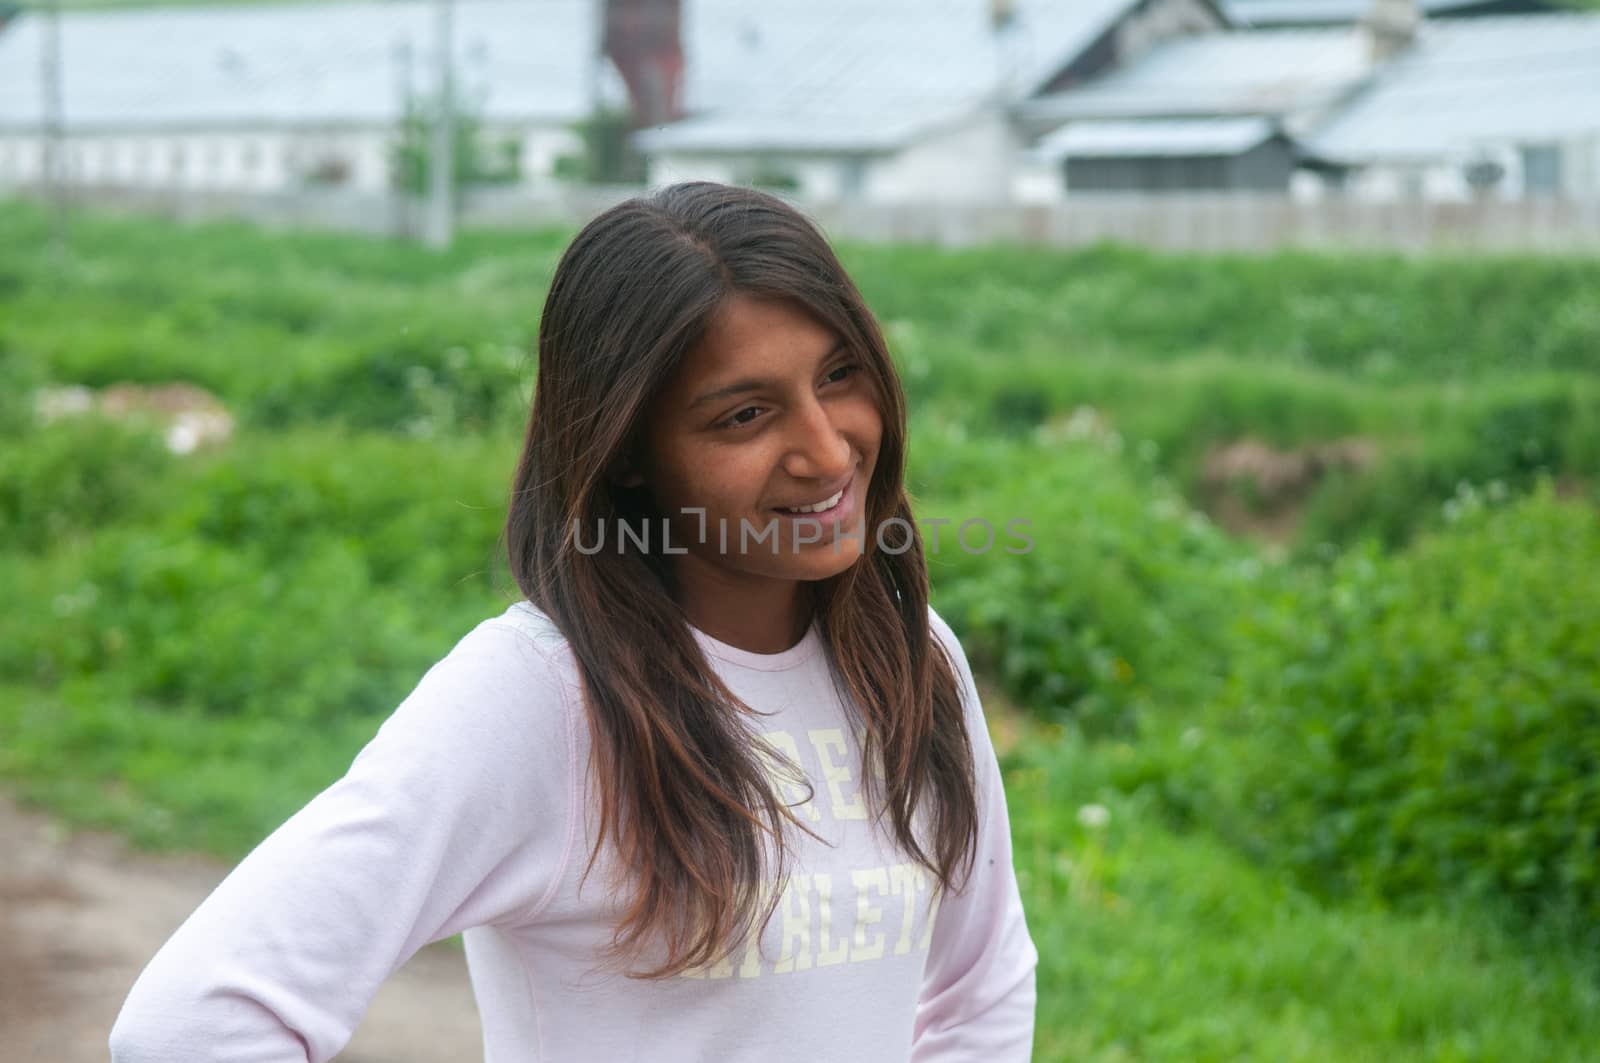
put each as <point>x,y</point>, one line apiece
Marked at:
<point>852,177</point>
<point>1541,170</point>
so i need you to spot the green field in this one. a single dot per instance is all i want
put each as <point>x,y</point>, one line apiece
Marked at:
<point>1344,723</point>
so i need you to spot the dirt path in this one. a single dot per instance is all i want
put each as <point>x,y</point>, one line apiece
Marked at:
<point>81,915</point>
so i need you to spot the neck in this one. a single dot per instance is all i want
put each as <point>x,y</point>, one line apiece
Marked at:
<point>767,616</point>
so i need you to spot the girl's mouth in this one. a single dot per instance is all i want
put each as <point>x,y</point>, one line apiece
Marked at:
<point>835,509</point>
<point>820,507</point>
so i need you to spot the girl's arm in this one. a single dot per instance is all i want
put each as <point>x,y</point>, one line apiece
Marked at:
<point>457,814</point>
<point>978,991</point>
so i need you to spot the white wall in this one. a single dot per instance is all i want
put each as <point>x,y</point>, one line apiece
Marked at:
<point>970,162</point>
<point>1444,180</point>
<point>819,177</point>
<point>542,146</point>
<point>669,169</point>
<point>258,160</point>
<point>973,162</point>
<point>1038,183</point>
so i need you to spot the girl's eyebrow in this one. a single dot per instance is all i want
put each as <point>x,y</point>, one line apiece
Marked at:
<point>739,387</point>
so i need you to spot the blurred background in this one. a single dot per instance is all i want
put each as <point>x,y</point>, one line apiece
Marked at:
<point>1279,320</point>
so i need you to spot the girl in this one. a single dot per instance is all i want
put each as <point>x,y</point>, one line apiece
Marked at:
<point>720,788</point>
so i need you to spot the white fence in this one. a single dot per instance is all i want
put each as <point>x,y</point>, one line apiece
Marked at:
<point>1235,222</point>
<point>1221,222</point>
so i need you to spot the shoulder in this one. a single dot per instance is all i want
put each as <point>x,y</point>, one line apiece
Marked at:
<point>534,626</point>
<point>521,646</point>
<point>945,635</point>
<point>506,684</point>
<point>942,630</point>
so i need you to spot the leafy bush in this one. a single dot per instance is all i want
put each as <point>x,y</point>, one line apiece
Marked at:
<point>173,622</point>
<point>1430,722</point>
<point>1118,600</point>
<point>19,377</point>
<point>1503,441</point>
<point>424,516</point>
<point>1383,318</point>
<point>74,476</point>
<point>416,383</point>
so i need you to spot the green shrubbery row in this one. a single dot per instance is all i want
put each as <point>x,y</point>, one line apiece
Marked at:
<point>1400,724</point>
<point>1430,358</point>
<point>1430,721</point>
<point>1382,317</point>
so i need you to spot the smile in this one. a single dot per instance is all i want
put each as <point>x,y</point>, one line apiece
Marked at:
<point>818,507</point>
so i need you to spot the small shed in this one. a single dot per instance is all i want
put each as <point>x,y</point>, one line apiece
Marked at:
<point>1249,14</point>
<point>1175,155</point>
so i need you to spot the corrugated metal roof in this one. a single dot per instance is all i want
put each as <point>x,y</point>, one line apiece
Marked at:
<point>292,64</point>
<point>1187,138</point>
<point>1246,13</point>
<point>796,73</point>
<point>1269,72</point>
<point>842,75</point>
<point>1472,82</point>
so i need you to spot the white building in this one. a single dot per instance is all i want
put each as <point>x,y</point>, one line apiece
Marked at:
<point>899,100</point>
<point>1513,100</point>
<point>887,99</point>
<point>1207,113</point>
<point>868,101</point>
<point>1445,110</point>
<point>273,97</point>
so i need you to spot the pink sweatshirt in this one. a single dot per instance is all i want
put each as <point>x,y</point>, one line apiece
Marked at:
<point>468,812</point>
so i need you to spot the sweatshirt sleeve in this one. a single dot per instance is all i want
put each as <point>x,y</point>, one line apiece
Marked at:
<point>457,814</point>
<point>978,992</point>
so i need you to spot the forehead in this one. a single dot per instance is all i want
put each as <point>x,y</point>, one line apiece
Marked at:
<point>748,335</point>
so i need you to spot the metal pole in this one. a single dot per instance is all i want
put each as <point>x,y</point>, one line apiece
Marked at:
<point>401,192</point>
<point>597,58</point>
<point>52,161</point>
<point>440,226</point>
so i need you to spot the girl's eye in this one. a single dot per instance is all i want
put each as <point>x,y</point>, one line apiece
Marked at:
<point>739,418</point>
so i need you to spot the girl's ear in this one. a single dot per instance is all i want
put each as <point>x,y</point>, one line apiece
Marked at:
<point>624,474</point>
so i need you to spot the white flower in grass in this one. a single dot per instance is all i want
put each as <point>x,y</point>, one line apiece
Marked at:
<point>1094,817</point>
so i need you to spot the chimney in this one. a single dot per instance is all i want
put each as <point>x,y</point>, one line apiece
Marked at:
<point>642,38</point>
<point>1390,27</point>
<point>1005,27</point>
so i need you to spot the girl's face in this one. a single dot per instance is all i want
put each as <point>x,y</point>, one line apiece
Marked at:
<point>768,412</point>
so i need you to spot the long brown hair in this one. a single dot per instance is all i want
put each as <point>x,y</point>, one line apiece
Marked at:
<point>683,791</point>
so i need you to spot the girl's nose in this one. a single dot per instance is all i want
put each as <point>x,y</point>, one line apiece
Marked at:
<point>817,450</point>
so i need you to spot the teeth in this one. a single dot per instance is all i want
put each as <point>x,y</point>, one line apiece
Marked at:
<point>820,506</point>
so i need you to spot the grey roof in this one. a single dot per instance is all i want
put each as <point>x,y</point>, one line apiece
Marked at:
<point>1248,13</point>
<point>1189,137</point>
<point>293,64</point>
<point>1268,72</point>
<point>1467,83</point>
<point>850,74</point>
<point>854,76</point>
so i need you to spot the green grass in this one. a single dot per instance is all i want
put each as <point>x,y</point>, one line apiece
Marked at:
<point>1164,945</point>
<point>1498,378</point>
